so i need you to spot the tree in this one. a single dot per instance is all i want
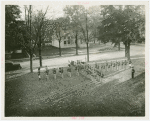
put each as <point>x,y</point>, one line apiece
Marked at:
<point>83,21</point>
<point>85,24</point>
<point>27,38</point>
<point>12,14</point>
<point>59,26</point>
<point>73,13</point>
<point>80,13</point>
<point>95,20</point>
<point>121,24</point>
<point>39,30</point>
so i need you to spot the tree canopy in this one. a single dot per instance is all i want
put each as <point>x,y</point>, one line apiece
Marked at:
<point>12,14</point>
<point>123,22</point>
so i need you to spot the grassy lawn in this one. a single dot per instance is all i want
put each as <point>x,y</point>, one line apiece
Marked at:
<point>51,50</point>
<point>75,96</point>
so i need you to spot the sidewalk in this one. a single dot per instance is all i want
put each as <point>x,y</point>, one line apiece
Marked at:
<point>57,56</point>
<point>121,76</point>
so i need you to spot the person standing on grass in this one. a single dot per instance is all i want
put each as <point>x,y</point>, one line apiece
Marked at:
<point>69,70</point>
<point>77,70</point>
<point>47,72</point>
<point>106,66</point>
<point>92,69</point>
<point>130,63</point>
<point>101,68</point>
<point>85,67</point>
<point>114,66</point>
<point>91,75</point>
<point>95,65</point>
<point>125,63</point>
<point>102,76</point>
<point>54,73</point>
<point>122,64</point>
<point>61,72</point>
<point>39,74</point>
<point>111,68</point>
<point>132,71</point>
<point>87,71</point>
<point>118,65</point>
<point>99,76</point>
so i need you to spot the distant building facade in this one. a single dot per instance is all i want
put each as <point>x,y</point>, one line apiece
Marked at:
<point>68,41</point>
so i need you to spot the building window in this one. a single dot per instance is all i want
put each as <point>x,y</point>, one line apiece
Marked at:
<point>64,37</point>
<point>68,41</point>
<point>64,42</point>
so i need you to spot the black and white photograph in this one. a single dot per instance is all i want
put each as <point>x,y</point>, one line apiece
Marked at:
<point>75,59</point>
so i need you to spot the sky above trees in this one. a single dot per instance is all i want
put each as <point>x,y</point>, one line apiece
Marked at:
<point>54,11</point>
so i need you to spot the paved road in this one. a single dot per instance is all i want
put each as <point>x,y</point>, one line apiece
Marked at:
<point>63,61</point>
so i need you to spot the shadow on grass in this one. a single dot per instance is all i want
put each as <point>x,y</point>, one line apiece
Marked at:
<point>124,99</point>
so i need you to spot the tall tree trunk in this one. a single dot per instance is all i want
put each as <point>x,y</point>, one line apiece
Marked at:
<point>119,46</point>
<point>40,56</point>
<point>28,18</point>
<point>59,48</point>
<point>128,49</point>
<point>25,17</point>
<point>87,51</point>
<point>87,40</point>
<point>31,69</point>
<point>76,44</point>
<point>31,51</point>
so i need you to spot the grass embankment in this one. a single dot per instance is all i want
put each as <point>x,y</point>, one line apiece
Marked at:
<point>75,96</point>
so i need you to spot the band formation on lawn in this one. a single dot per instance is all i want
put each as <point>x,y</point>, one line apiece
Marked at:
<point>94,71</point>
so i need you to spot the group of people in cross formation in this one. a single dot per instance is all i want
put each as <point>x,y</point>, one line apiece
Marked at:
<point>95,70</point>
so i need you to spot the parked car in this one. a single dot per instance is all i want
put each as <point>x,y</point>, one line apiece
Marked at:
<point>10,66</point>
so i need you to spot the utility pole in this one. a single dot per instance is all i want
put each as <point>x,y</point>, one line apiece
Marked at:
<point>25,16</point>
<point>31,54</point>
<point>28,16</point>
<point>87,41</point>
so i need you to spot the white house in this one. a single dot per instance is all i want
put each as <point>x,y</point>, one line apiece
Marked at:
<point>68,41</point>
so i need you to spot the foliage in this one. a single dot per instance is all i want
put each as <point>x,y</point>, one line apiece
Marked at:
<point>123,22</point>
<point>12,14</point>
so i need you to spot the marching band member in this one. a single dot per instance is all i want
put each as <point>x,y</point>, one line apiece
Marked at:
<point>39,74</point>
<point>54,73</point>
<point>69,70</point>
<point>47,72</point>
